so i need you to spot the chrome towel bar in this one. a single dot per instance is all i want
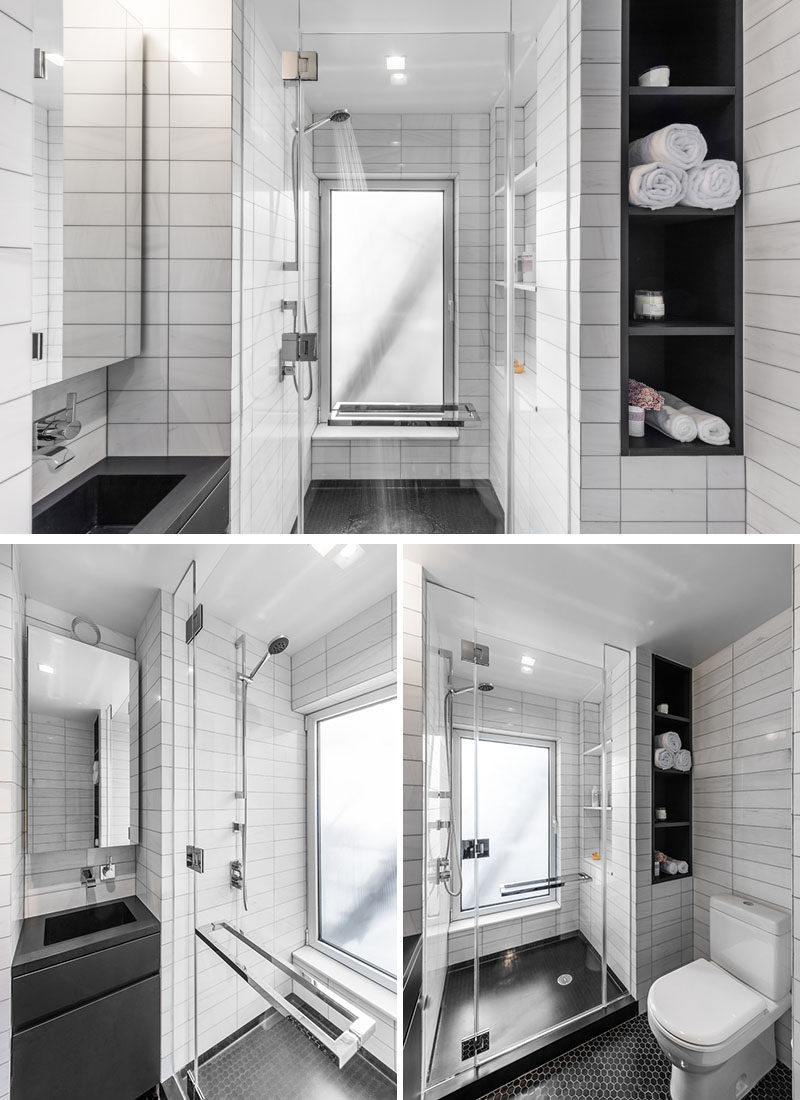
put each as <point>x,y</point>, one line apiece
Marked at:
<point>360,1026</point>
<point>538,885</point>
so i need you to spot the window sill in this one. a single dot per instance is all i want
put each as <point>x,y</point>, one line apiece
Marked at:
<point>332,432</point>
<point>488,919</point>
<point>380,1001</point>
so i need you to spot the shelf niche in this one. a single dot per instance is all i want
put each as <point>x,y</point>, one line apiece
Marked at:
<point>672,684</point>
<point>694,256</point>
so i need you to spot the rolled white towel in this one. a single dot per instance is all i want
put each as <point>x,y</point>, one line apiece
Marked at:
<point>714,185</point>
<point>710,429</point>
<point>656,186</point>
<point>683,866</point>
<point>680,144</point>
<point>669,421</point>
<point>669,867</point>
<point>669,740</point>
<point>683,760</point>
<point>664,759</point>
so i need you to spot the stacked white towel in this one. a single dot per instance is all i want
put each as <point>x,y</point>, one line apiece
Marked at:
<point>683,760</point>
<point>671,422</point>
<point>679,144</point>
<point>713,185</point>
<point>664,759</point>
<point>656,186</point>
<point>669,740</point>
<point>709,428</point>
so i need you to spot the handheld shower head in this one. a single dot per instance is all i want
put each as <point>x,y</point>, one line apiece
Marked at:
<point>341,114</point>
<point>276,646</point>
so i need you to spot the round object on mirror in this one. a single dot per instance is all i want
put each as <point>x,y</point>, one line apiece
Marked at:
<point>84,630</point>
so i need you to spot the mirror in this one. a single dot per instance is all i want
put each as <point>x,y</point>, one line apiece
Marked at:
<point>83,745</point>
<point>87,168</point>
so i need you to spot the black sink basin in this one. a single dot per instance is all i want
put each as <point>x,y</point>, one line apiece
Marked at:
<point>107,504</point>
<point>83,922</point>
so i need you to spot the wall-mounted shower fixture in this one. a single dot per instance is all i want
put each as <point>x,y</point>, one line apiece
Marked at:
<point>299,65</point>
<point>276,646</point>
<point>341,114</point>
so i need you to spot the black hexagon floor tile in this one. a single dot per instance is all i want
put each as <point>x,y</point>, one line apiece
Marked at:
<point>625,1063</point>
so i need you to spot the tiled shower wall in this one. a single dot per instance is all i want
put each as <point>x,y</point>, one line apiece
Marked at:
<point>264,436</point>
<point>413,749</point>
<point>772,256</point>
<point>16,234</point>
<point>404,146</point>
<point>11,789</point>
<point>742,778</point>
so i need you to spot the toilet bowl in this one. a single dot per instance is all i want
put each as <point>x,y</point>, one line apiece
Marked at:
<point>715,1019</point>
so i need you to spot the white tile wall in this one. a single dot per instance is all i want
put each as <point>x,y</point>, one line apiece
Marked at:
<point>742,783</point>
<point>772,256</point>
<point>264,487</point>
<point>16,236</point>
<point>360,652</point>
<point>448,146</point>
<point>48,240</point>
<point>413,749</point>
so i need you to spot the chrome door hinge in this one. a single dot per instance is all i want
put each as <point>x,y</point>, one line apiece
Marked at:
<point>192,1087</point>
<point>195,859</point>
<point>194,624</point>
<point>474,652</point>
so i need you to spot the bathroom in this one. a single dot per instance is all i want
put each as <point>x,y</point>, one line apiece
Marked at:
<point>191,903</point>
<point>632,931</point>
<point>257,259</point>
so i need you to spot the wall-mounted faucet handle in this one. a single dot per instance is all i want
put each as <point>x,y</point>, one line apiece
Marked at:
<point>87,877</point>
<point>57,427</point>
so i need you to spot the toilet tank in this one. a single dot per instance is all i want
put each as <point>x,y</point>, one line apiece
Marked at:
<point>752,941</point>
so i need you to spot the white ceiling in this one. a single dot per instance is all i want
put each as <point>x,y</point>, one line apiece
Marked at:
<point>686,601</point>
<point>455,50</point>
<point>263,590</point>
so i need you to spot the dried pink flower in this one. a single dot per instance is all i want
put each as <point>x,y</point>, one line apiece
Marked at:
<point>644,397</point>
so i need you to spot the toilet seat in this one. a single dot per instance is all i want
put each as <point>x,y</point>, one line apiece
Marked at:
<point>702,1006</point>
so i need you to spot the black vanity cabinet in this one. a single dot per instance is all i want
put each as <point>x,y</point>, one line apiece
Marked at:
<point>85,1011</point>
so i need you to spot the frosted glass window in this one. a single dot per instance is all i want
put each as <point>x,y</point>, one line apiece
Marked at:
<point>357,843</point>
<point>514,814</point>
<point>387,296</point>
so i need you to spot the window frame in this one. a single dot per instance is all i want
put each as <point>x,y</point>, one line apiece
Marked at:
<point>387,183</point>
<point>313,938</point>
<point>464,733</point>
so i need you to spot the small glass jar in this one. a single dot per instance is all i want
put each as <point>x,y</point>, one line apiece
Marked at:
<point>648,305</point>
<point>661,813</point>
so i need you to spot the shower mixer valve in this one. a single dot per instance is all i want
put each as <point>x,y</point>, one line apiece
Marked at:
<point>236,874</point>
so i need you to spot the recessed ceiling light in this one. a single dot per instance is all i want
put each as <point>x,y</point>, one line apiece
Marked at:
<point>348,555</point>
<point>323,548</point>
<point>398,78</point>
<point>527,662</point>
<point>396,63</point>
<point>48,669</point>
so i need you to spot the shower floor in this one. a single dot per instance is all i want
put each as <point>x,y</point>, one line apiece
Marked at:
<point>519,996</point>
<point>283,1061</point>
<point>403,507</point>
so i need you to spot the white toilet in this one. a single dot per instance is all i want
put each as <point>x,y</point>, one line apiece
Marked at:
<point>715,1020</point>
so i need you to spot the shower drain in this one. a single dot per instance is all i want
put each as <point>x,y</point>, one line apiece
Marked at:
<point>564,979</point>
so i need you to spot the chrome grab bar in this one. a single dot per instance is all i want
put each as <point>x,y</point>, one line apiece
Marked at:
<point>360,1026</point>
<point>538,885</point>
<point>397,414</point>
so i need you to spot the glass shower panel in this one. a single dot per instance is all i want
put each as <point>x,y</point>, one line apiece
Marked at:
<point>449,937</point>
<point>387,332</point>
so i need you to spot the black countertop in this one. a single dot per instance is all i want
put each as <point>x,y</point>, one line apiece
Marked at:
<point>199,476</point>
<point>32,954</point>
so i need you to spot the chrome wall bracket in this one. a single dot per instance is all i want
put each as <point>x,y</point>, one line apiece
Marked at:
<point>297,347</point>
<point>474,652</point>
<point>195,858</point>
<point>194,624</point>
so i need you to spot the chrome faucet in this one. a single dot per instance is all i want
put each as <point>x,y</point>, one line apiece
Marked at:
<point>87,877</point>
<point>55,429</point>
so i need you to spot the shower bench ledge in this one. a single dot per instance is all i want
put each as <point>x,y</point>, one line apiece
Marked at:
<point>332,433</point>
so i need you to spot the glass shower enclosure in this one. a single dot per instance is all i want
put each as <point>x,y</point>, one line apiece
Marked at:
<point>526,908</point>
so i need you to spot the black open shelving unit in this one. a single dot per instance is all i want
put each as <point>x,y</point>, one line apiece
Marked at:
<point>695,256</point>
<point>672,684</point>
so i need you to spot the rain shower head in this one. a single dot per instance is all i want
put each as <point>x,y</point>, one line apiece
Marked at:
<point>485,686</point>
<point>276,646</point>
<point>341,114</point>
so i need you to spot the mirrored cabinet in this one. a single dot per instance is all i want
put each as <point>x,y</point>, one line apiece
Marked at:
<point>83,745</point>
<point>87,236</point>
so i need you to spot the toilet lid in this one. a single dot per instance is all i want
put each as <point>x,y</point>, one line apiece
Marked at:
<point>702,1004</point>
